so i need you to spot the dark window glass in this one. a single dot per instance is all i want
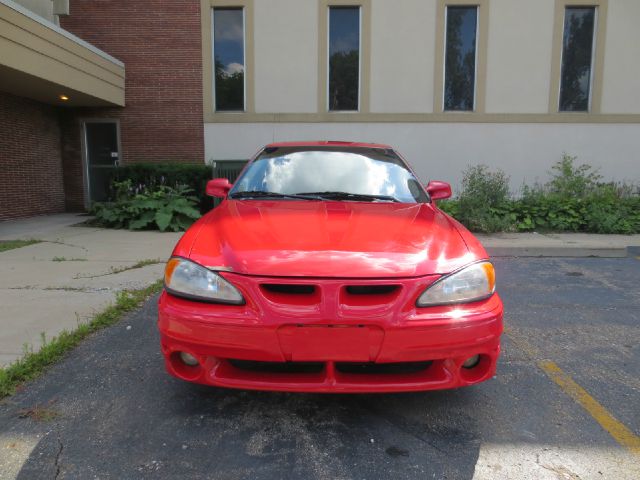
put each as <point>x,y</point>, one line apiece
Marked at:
<point>344,57</point>
<point>228,49</point>
<point>460,58</point>
<point>577,52</point>
<point>354,171</point>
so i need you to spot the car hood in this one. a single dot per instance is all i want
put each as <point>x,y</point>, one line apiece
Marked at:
<point>327,239</point>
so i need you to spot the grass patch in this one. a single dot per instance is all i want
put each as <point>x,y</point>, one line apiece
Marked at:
<point>32,364</point>
<point>12,244</point>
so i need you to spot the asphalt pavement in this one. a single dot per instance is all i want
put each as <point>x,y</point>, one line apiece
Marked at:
<point>109,410</point>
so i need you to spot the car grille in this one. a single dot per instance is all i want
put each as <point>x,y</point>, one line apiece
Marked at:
<point>289,289</point>
<point>382,368</point>
<point>371,289</point>
<point>278,367</point>
<point>358,368</point>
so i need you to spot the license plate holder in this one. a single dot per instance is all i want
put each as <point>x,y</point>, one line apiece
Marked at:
<point>340,343</point>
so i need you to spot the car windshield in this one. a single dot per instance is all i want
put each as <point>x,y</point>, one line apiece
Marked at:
<point>329,173</point>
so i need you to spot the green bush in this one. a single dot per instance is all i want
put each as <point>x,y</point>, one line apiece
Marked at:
<point>483,204</point>
<point>151,176</point>
<point>163,208</point>
<point>571,181</point>
<point>574,199</point>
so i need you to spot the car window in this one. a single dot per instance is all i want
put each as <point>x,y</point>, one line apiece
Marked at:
<point>375,172</point>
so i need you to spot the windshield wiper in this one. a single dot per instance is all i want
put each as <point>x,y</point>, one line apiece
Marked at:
<point>352,196</point>
<point>263,194</point>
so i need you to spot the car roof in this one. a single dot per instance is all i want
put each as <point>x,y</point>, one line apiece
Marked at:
<point>328,143</point>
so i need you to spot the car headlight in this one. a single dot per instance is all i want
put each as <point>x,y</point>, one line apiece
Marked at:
<point>187,279</point>
<point>472,283</point>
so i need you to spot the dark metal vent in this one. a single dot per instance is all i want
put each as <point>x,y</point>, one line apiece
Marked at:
<point>371,289</point>
<point>291,289</point>
<point>382,368</point>
<point>278,367</point>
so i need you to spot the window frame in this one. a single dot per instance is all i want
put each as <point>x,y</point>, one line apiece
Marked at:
<point>208,62</point>
<point>475,60</point>
<point>482,35</point>
<point>597,56</point>
<point>244,57</point>
<point>591,61</point>
<point>363,57</point>
<point>328,46</point>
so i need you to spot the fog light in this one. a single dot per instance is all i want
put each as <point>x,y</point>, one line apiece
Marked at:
<point>188,359</point>
<point>469,362</point>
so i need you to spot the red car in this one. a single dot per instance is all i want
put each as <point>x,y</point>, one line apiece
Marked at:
<point>329,268</point>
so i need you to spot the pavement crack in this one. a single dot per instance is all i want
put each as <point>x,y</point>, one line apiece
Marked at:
<point>116,270</point>
<point>60,242</point>
<point>57,459</point>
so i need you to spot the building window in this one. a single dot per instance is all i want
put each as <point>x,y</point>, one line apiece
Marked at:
<point>229,61</point>
<point>577,58</point>
<point>344,58</point>
<point>460,57</point>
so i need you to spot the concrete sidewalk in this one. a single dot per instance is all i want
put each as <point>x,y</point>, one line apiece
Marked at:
<point>73,273</point>
<point>560,245</point>
<point>76,270</point>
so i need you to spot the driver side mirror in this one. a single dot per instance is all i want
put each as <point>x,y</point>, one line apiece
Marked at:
<point>218,187</point>
<point>438,190</point>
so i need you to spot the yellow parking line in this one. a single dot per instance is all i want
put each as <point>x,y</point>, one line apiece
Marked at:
<point>616,429</point>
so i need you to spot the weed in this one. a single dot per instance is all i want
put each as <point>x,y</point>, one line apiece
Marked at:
<point>33,363</point>
<point>116,270</point>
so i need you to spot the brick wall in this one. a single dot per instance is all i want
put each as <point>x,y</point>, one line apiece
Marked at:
<point>160,43</point>
<point>31,180</point>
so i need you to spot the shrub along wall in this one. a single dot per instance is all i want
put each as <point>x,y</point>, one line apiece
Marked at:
<point>574,199</point>
<point>152,176</point>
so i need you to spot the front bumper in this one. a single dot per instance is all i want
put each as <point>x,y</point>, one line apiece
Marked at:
<point>361,350</point>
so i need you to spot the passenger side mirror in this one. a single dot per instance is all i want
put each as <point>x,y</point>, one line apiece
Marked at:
<point>438,190</point>
<point>218,187</point>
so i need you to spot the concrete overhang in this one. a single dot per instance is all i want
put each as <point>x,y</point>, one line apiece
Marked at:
<point>42,61</point>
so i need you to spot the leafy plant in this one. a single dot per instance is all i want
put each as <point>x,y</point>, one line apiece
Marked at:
<point>574,199</point>
<point>164,208</point>
<point>483,204</point>
<point>570,180</point>
<point>151,176</point>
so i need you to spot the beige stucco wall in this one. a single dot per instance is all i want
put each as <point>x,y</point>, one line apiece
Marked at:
<point>519,56</point>
<point>621,82</point>
<point>286,52</point>
<point>441,151</point>
<point>402,55</point>
<point>522,50</point>
<point>519,130</point>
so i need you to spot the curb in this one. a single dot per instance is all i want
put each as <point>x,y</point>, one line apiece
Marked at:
<point>575,252</point>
